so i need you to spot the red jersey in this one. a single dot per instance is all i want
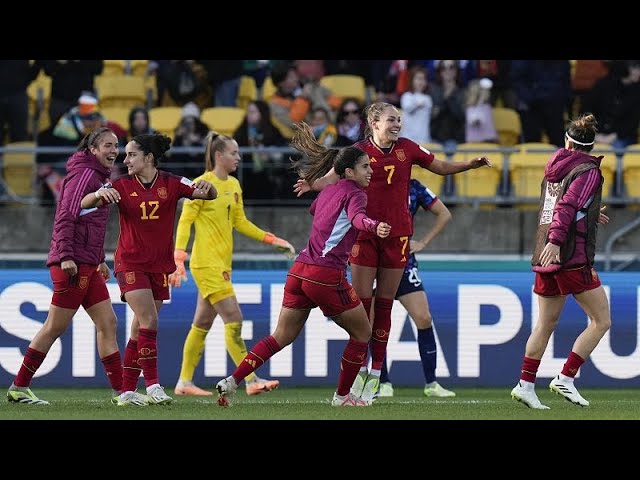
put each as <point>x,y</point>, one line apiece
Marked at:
<point>389,188</point>
<point>147,219</point>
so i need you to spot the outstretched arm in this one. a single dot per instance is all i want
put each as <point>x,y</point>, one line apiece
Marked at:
<point>442,167</point>
<point>301,186</point>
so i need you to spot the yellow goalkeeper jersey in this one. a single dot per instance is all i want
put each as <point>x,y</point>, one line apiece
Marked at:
<point>214,223</point>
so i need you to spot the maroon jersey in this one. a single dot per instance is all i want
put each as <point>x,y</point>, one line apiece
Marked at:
<point>147,218</point>
<point>389,188</point>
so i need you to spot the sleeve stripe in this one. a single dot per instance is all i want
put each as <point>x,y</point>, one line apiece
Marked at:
<point>593,176</point>
<point>79,192</point>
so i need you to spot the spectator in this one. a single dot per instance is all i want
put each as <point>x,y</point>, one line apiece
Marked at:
<point>349,122</point>
<point>416,107</point>
<point>14,102</point>
<point>479,112</point>
<point>190,132</point>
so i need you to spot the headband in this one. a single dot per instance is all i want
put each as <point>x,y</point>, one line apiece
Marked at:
<point>579,143</point>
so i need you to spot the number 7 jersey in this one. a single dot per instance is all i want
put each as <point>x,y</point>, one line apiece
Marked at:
<point>147,219</point>
<point>389,188</point>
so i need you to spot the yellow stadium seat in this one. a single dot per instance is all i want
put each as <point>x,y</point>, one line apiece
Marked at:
<point>480,182</point>
<point>508,126</point>
<point>247,92</point>
<point>224,120</point>
<point>631,170</point>
<point>120,91</point>
<point>39,93</point>
<point>165,119</point>
<point>268,89</point>
<point>526,168</point>
<point>285,130</point>
<point>608,167</point>
<point>120,115</point>
<point>18,169</point>
<point>345,86</point>
<point>432,181</point>
<point>137,68</point>
<point>113,67</point>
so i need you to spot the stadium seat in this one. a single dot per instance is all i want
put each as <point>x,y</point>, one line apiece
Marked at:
<point>526,169</point>
<point>224,120</point>
<point>39,93</point>
<point>345,86</point>
<point>429,179</point>
<point>508,126</point>
<point>247,91</point>
<point>480,182</point>
<point>631,170</point>
<point>137,68</point>
<point>282,128</point>
<point>165,119</point>
<point>112,68</point>
<point>608,167</point>
<point>120,115</point>
<point>268,89</point>
<point>120,91</point>
<point>18,169</point>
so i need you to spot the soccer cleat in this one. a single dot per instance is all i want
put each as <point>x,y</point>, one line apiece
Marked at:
<point>156,395</point>
<point>370,389</point>
<point>23,395</point>
<point>528,397</point>
<point>568,391</point>
<point>191,389</point>
<point>348,400</point>
<point>386,390</point>
<point>260,385</point>
<point>358,383</point>
<point>436,390</point>
<point>226,391</point>
<point>130,398</point>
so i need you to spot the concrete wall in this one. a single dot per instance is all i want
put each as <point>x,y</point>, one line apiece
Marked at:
<point>498,231</point>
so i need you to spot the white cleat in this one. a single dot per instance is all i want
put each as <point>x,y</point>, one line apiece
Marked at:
<point>528,397</point>
<point>568,391</point>
<point>358,383</point>
<point>348,400</point>
<point>370,390</point>
<point>130,398</point>
<point>436,390</point>
<point>226,391</point>
<point>156,395</point>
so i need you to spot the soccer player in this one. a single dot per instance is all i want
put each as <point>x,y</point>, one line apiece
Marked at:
<point>147,199</point>
<point>413,296</point>
<point>210,262</point>
<point>77,267</point>
<point>563,259</point>
<point>384,260</point>
<point>318,277</point>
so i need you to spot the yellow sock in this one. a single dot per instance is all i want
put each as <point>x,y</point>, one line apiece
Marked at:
<point>192,352</point>
<point>235,345</point>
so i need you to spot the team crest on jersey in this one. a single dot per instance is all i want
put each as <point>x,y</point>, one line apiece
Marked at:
<point>162,192</point>
<point>400,154</point>
<point>84,282</point>
<point>130,278</point>
<point>236,197</point>
<point>226,276</point>
<point>355,250</point>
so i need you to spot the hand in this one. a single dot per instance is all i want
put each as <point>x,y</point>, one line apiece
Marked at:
<point>383,230</point>
<point>603,219</point>
<point>204,188</point>
<point>108,195</point>
<point>550,254</point>
<point>416,246</point>
<point>280,244</point>
<point>69,267</point>
<point>301,187</point>
<point>103,268</point>
<point>480,162</point>
<point>180,275</point>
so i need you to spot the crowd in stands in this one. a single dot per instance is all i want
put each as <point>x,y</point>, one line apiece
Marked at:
<point>446,102</point>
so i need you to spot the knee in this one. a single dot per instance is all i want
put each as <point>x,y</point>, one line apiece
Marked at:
<point>424,320</point>
<point>107,326</point>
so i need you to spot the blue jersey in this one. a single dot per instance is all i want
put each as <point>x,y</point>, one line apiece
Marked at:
<point>419,196</point>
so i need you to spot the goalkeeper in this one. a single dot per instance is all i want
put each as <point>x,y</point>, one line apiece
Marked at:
<point>210,262</point>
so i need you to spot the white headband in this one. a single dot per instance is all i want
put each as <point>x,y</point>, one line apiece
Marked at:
<point>579,143</point>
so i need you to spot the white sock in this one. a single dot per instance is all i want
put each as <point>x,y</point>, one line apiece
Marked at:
<point>528,386</point>
<point>375,373</point>
<point>564,378</point>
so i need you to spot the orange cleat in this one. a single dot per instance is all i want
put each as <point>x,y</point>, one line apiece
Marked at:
<point>191,390</point>
<point>260,385</point>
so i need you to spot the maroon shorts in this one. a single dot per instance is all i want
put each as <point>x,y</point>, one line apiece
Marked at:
<point>156,282</point>
<point>86,288</point>
<point>310,286</point>
<point>565,282</point>
<point>390,252</point>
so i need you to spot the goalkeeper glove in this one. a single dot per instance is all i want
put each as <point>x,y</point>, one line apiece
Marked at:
<point>180,275</point>
<point>280,244</point>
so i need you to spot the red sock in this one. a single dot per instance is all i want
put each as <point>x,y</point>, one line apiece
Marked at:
<point>529,369</point>
<point>113,367</point>
<point>572,365</point>
<point>380,331</point>
<point>30,364</point>
<point>366,303</point>
<point>354,354</point>
<point>131,370</point>
<point>260,353</point>
<point>148,355</point>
